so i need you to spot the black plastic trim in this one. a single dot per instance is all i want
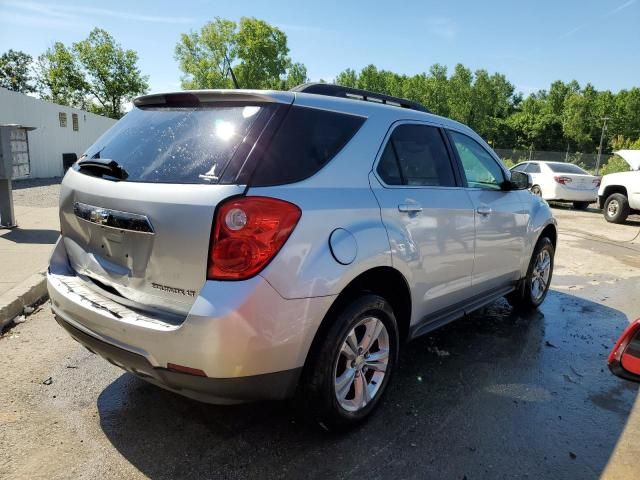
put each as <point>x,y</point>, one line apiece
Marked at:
<point>332,90</point>
<point>449,314</point>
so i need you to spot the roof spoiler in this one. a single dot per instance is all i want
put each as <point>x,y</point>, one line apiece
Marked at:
<point>194,98</point>
<point>332,90</point>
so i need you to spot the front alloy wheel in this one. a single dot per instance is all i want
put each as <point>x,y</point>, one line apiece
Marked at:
<point>540,275</point>
<point>533,288</point>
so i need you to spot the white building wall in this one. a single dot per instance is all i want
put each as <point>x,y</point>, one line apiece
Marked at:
<point>49,141</point>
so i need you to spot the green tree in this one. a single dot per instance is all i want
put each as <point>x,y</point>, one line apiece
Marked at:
<point>436,89</point>
<point>15,71</point>
<point>202,56</point>
<point>347,78</point>
<point>370,78</point>
<point>565,117</point>
<point>96,74</point>
<point>112,74</point>
<point>257,52</point>
<point>59,78</point>
<point>614,165</point>
<point>460,94</point>
<point>296,75</point>
<point>263,54</point>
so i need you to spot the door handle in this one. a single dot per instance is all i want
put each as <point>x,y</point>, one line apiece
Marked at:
<point>409,207</point>
<point>484,210</point>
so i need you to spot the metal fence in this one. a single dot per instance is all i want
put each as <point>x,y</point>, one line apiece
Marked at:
<point>584,160</point>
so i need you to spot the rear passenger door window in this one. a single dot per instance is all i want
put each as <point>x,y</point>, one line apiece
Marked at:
<point>416,155</point>
<point>533,168</point>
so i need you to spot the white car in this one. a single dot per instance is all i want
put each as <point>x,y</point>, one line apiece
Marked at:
<point>561,182</point>
<point>619,194</point>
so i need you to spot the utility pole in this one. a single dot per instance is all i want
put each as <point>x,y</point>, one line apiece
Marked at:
<point>604,129</point>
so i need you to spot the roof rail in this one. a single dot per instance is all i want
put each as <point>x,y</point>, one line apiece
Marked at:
<point>332,90</point>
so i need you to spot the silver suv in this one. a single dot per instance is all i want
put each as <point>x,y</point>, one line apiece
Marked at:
<point>241,245</point>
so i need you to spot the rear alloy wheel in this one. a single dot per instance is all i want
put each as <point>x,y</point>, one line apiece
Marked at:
<point>536,191</point>
<point>533,289</point>
<point>361,364</point>
<point>581,205</point>
<point>349,370</point>
<point>616,208</point>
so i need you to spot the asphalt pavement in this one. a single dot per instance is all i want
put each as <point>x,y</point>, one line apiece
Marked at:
<point>495,395</point>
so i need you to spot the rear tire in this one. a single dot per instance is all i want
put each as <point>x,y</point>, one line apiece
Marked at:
<point>581,205</point>
<point>340,388</point>
<point>616,208</point>
<point>533,288</point>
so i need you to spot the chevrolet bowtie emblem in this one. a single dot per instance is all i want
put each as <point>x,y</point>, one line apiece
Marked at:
<point>99,216</point>
<point>109,218</point>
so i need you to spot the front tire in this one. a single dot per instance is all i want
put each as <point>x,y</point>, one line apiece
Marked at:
<point>349,370</point>
<point>533,288</point>
<point>616,208</point>
<point>581,205</point>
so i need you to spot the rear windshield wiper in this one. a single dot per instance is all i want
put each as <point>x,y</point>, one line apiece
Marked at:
<point>103,166</point>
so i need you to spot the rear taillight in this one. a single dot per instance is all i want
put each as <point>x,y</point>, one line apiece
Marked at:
<point>629,333</point>
<point>596,182</point>
<point>562,180</point>
<point>247,233</point>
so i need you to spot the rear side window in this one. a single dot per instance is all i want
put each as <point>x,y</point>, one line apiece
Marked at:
<point>176,144</point>
<point>305,142</point>
<point>520,168</point>
<point>416,155</point>
<point>533,168</point>
<point>566,168</point>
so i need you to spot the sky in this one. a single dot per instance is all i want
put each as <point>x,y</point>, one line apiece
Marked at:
<point>532,42</point>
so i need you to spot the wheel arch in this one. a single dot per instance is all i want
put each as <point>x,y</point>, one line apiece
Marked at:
<point>385,281</point>
<point>551,232</point>
<point>610,190</point>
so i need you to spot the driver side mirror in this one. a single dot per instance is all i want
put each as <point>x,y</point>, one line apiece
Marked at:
<point>519,180</point>
<point>624,359</point>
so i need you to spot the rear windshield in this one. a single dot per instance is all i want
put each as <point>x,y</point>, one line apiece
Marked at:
<point>305,142</point>
<point>176,145</point>
<point>566,168</point>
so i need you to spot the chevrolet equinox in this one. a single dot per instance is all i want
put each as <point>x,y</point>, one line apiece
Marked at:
<point>238,245</point>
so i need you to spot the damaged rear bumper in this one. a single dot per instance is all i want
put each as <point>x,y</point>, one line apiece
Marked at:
<point>245,340</point>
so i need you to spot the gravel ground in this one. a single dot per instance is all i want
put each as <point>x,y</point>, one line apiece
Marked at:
<point>37,192</point>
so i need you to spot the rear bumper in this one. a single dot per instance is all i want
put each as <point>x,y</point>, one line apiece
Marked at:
<point>249,341</point>
<point>561,193</point>
<point>277,385</point>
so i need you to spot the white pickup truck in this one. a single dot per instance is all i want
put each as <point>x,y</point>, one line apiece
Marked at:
<point>619,193</point>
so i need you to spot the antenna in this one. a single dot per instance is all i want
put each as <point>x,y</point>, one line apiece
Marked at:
<point>233,77</point>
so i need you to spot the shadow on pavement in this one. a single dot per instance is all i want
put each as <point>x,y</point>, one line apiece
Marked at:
<point>493,395</point>
<point>37,236</point>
